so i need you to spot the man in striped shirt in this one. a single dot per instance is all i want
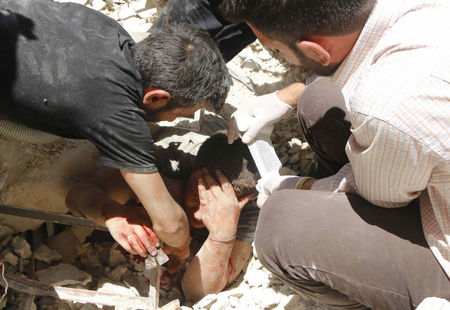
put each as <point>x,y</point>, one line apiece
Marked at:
<point>376,231</point>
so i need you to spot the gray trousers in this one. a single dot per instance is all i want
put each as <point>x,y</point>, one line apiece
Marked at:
<point>339,249</point>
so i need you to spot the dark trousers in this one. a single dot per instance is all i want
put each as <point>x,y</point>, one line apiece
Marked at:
<point>338,249</point>
<point>204,14</point>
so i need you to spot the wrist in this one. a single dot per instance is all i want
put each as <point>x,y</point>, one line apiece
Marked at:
<point>224,240</point>
<point>305,183</point>
<point>291,94</point>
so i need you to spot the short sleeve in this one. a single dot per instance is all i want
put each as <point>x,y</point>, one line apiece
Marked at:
<point>124,142</point>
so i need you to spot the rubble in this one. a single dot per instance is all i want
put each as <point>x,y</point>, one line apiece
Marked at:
<point>21,247</point>
<point>45,254</point>
<point>63,274</point>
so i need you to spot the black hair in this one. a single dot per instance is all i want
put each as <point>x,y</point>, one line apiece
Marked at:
<point>290,21</point>
<point>234,160</point>
<point>185,62</point>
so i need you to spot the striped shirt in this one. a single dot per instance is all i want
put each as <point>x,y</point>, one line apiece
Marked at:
<point>396,83</point>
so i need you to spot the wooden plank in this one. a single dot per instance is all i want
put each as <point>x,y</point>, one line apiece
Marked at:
<point>36,288</point>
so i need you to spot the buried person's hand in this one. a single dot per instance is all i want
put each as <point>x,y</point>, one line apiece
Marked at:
<point>219,207</point>
<point>131,228</point>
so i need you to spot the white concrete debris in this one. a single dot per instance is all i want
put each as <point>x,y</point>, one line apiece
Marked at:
<point>63,274</point>
<point>45,254</point>
<point>21,247</point>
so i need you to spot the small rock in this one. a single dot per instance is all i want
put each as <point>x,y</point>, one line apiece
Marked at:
<point>150,14</point>
<point>257,278</point>
<point>117,273</point>
<point>11,259</point>
<point>251,63</point>
<point>294,158</point>
<point>98,5</point>
<point>45,254</point>
<point>205,302</point>
<point>21,247</point>
<point>295,149</point>
<point>5,231</point>
<point>125,12</point>
<point>5,241</point>
<point>135,24</point>
<point>284,159</point>
<point>116,256</point>
<point>63,274</point>
<point>142,5</point>
<point>136,282</point>
<point>138,265</point>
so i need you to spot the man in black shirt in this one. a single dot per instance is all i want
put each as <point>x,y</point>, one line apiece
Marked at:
<point>74,72</point>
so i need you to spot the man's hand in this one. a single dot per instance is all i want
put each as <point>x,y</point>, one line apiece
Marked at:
<point>219,207</point>
<point>131,228</point>
<point>254,115</point>
<point>263,111</point>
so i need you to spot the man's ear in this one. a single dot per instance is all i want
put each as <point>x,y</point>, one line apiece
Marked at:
<point>155,98</point>
<point>314,51</point>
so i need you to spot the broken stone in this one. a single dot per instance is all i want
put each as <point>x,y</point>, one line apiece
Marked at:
<point>72,236</point>
<point>116,256</point>
<point>21,247</point>
<point>5,231</point>
<point>294,158</point>
<point>135,24</point>
<point>5,241</point>
<point>126,12</point>
<point>63,274</point>
<point>98,5</point>
<point>136,282</point>
<point>148,14</point>
<point>117,273</point>
<point>142,5</point>
<point>295,149</point>
<point>45,254</point>
<point>11,259</point>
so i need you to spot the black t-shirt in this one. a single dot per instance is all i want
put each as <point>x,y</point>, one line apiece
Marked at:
<point>67,69</point>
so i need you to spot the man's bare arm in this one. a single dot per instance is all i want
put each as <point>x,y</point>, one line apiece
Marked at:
<point>215,266</point>
<point>169,220</point>
<point>221,257</point>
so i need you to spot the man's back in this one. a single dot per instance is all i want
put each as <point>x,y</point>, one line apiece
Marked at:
<point>65,66</point>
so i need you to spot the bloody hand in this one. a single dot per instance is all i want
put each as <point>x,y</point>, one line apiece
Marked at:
<point>131,228</point>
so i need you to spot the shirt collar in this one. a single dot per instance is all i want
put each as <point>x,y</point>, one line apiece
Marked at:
<point>383,16</point>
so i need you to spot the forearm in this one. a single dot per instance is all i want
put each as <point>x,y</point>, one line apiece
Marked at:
<point>291,94</point>
<point>88,199</point>
<point>169,220</point>
<point>209,271</point>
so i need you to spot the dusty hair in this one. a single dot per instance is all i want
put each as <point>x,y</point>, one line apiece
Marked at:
<point>234,160</point>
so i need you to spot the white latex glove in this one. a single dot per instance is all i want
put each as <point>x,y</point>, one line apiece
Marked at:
<point>434,303</point>
<point>259,112</point>
<point>268,186</point>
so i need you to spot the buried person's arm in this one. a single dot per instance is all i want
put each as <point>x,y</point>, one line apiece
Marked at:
<point>221,257</point>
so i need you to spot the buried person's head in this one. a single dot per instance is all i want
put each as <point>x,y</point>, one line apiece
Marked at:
<point>233,160</point>
<point>182,70</point>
